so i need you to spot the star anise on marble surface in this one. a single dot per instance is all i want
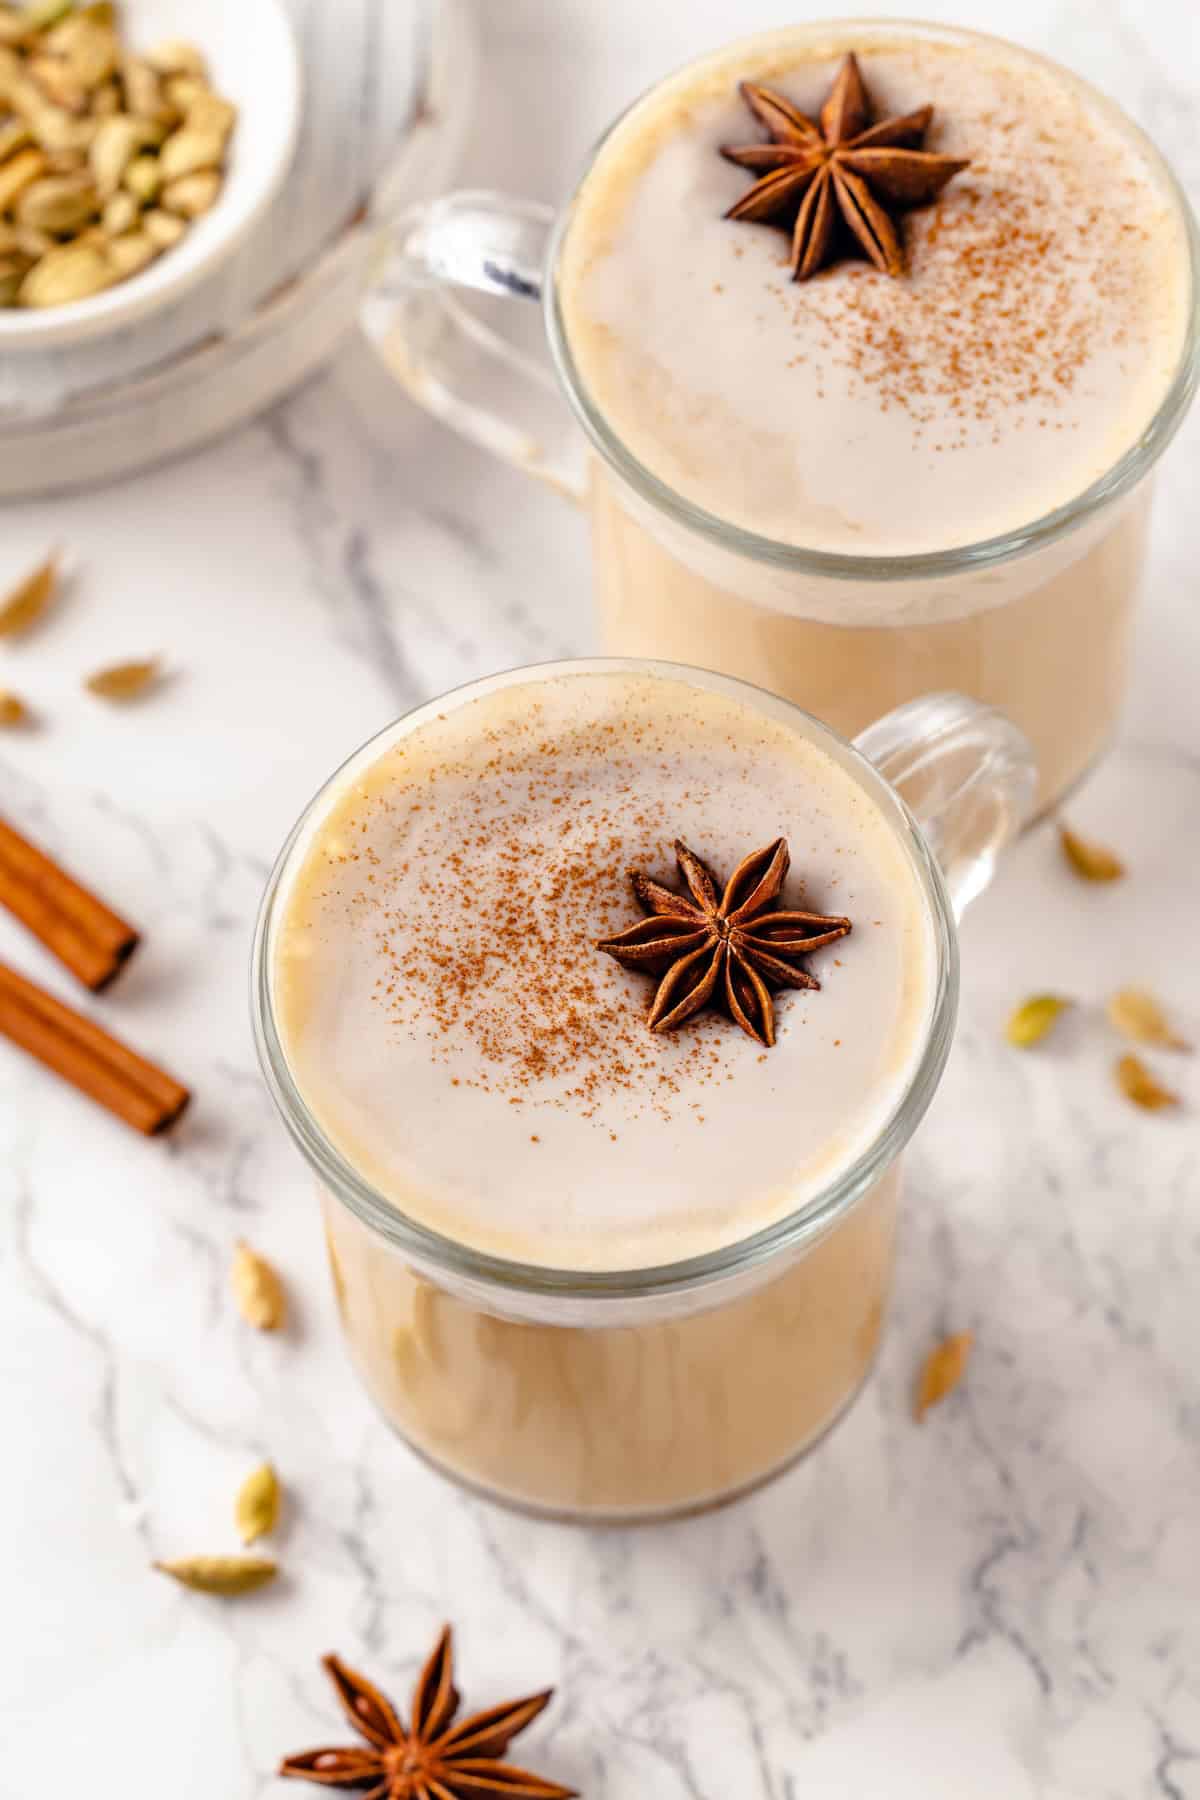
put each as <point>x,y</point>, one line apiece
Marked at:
<point>430,1758</point>
<point>729,949</point>
<point>844,176</point>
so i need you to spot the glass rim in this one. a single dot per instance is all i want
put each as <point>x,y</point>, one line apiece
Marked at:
<point>433,1249</point>
<point>836,565</point>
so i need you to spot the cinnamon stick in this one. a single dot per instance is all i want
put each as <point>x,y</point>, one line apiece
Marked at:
<point>138,1092</point>
<point>91,939</point>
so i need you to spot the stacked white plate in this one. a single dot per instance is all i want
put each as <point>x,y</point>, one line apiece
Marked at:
<point>387,91</point>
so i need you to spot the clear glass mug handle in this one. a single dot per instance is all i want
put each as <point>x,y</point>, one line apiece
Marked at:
<point>476,377</point>
<point>967,774</point>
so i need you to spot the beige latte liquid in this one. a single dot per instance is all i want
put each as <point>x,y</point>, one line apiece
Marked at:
<point>459,1040</point>
<point>1025,351</point>
<point>627,1420</point>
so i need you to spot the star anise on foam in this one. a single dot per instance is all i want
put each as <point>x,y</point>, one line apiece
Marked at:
<point>431,1758</point>
<point>728,950</point>
<point>843,174</point>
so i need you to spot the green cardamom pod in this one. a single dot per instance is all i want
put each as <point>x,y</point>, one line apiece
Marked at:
<point>256,1508</point>
<point>226,1575</point>
<point>1138,1015</point>
<point>24,604</point>
<point>1034,1019</point>
<point>124,681</point>
<point>1090,861</point>
<point>257,1289</point>
<point>1144,1089</point>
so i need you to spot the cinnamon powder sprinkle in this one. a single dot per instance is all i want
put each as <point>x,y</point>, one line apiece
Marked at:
<point>1002,309</point>
<point>486,948</point>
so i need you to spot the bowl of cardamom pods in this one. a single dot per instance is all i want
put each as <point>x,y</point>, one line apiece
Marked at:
<point>140,143</point>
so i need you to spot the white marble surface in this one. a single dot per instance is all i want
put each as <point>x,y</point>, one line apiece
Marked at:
<point>1001,1604</point>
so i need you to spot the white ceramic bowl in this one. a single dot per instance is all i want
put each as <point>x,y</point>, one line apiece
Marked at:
<point>251,52</point>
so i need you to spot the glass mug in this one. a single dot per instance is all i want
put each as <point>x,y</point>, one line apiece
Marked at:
<point>653,1391</point>
<point>1035,622</point>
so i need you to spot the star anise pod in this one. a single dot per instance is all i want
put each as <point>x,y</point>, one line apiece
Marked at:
<point>841,167</point>
<point>431,1758</point>
<point>730,949</point>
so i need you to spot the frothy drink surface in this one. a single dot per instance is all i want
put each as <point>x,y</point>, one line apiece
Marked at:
<point>456,1034</point>
<point>1027,347</point>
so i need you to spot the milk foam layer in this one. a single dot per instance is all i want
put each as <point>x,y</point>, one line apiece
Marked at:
<point>1025,351</point>
<point>457,1036</point>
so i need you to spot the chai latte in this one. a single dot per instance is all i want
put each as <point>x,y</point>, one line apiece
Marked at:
<point>456,1034</point>
<point>1038,325</point>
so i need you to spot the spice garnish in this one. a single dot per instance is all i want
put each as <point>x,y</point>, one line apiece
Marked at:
<point>1034,1019</point>
<point>1138,1015</point>
<point>257,1289</point>
<point>840,168</point>
<point>942,1371</point>
<point>256,1508</point>
<point>731,950</point>
<point>1138,1084</point>
<point>24,604</point>
<point>97,149</point>
<point>227,1576</point>
<point>13,710</point>
<point>431,1758</point>
<point>75,1047</point>
<point>74,924</point>
<point>1090,861</point>
<point>124,681</point>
